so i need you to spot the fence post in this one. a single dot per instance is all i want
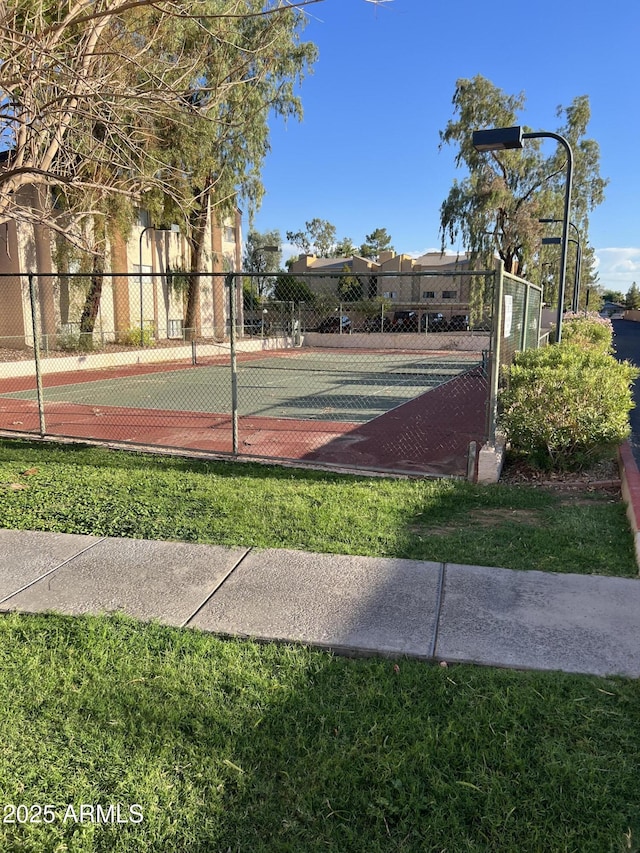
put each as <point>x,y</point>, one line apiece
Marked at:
<point>292,320</point>
<point>36,352</point>
<point>525,316</point>
<point>496,346</point>
<point>539,320</point>
<point>231,284</point>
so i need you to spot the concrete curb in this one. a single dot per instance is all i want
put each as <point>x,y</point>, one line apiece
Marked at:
<point>630,479</point>
<point>127,358</point>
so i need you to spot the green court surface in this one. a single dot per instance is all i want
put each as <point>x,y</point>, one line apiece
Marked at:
<point>348,386</point>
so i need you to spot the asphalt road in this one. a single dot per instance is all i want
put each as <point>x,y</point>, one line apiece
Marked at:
<point>626,341</point>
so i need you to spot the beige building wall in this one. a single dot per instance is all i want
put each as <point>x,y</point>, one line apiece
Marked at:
<point>440,291</point>
<point>218,309</point>
<point>438,287</point>
<point>321,285</point>
<point>25,248</point>
<point>163,252</point>
<point>153,253</point>
<point>332,269</point>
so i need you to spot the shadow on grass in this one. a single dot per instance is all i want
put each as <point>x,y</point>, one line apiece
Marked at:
<point>79,489</point>
<point>260,748</point>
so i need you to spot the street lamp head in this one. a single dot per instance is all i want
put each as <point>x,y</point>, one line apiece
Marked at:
<point>551,220</point>
<point>503,138</point>
<point>497,139</point>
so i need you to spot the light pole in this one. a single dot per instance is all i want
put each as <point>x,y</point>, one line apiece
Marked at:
<point>505,138</point>
<point>576,280</point>
<point>173,229</point>
<point>555,241</point>
<point>542,272</point>
<point>578,271</point>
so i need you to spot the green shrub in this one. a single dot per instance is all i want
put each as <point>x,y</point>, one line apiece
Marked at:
<point>588,330</point>
<point>565,405</point>
<point>131,337</point>
<point>74,341</point>
<point>289,289</point>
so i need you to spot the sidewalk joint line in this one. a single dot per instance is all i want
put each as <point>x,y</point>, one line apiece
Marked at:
<point>439,602</point>
<point>216,588</point>
<point>54,569</point>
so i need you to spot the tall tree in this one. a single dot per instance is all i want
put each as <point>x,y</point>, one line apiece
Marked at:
<point>318,238</point>
<point>376,242</point>
<point>344,248</point>
<point>497,207</point>
<point>349,286</point>
<point>616,296</point>
<point>86,87</point>
<point>214,155</point>
<point>262,251</point>
<point>260,259</point>
<point>633,297</point>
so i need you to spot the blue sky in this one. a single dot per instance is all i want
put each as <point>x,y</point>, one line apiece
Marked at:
<point>366,154</point>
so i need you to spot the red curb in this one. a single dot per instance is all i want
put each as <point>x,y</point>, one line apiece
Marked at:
<point>630,477</point>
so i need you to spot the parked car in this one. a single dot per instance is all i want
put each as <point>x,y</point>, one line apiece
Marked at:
<point>433,322</point>
<point>459,323</point>
<point>377,323</point>
<point>335,324</point>
<point>405,321</point>
<point>254,327</point>
<point>484,325</point>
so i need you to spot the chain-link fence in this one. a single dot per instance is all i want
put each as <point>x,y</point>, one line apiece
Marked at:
<point>388,372</point>
<point>522,306</point>
<point>517,327</point>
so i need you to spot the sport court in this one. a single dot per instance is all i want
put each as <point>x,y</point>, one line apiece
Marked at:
<point>372,409</point>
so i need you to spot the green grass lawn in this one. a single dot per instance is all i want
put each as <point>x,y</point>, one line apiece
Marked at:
<point>76,489</point>
<point>224,746</point>
<point>231,746</point>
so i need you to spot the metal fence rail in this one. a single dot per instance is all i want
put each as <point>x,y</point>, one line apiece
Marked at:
<point>327,369</point>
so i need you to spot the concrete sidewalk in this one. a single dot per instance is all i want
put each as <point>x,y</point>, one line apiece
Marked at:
<point>356,605</point>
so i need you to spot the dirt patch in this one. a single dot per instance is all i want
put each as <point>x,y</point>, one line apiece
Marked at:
<point>486,518</point>
<point>497,517</point>
<point>602,476</point>
<point>590,496</point>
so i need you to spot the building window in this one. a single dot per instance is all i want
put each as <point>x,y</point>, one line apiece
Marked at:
<point>176,329</point>
<point>144,220</point>
<point>229,234</point>
<point>390,294</point>
<point>428,294</point>
<point>145,269</point>
<point>449,294</point>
